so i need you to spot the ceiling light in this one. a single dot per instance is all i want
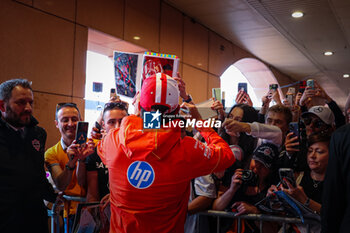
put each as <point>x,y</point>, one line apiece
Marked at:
<point>137,38</point>
<point>328,53</point>
<point>297,14</point>
<point>199,64</point>
<point>346,75</point>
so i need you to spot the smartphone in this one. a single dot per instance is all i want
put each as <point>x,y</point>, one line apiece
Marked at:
<point>310,83</point>
<point>216,92</point>
<point>294,127</point>
<point>112,93</point>
<point>82,131</point>
<point>242,86</point>
<point>273,87</point>
<point>302,85</point>
<point>291,91</point>
<point>98,126</point>
<point>289,98</point>
<point>287,174</point>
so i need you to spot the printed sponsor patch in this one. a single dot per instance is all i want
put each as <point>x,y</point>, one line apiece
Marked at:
<point>140,174</point>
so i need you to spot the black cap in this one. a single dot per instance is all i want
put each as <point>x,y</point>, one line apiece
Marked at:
<point>266,153</point>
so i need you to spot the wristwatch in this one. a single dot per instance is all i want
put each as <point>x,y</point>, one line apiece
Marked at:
<point>70,168</point>
<point>189,99</point>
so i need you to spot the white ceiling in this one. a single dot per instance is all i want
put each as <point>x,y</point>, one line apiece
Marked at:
<point>266,29</point>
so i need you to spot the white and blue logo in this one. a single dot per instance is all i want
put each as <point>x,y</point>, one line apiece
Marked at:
<point>151,120</point>
<point>140,174</point>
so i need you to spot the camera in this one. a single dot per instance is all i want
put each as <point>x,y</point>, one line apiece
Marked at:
<point>249,178</point>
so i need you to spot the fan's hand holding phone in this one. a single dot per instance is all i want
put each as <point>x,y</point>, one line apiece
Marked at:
<point>81,133</point>
<point>287,174</point>
<point>242,87</point>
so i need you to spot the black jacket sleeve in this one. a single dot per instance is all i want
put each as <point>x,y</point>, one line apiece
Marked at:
<point>338,114</point>
<point>48,191</point>
<point>336,184</point>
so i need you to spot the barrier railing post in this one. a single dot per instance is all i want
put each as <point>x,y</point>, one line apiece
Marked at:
<point>67,204</point>
<point>239,225</point>
<point>218,224</point>
<point>55,224</point>
<point>261,225</point>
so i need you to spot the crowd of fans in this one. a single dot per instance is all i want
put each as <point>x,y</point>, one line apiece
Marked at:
<point>294,136</point>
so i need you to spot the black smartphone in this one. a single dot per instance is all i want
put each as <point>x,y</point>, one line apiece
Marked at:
<point>273,87</point>
<point>81,133</point>
<point>294,127</point>
<point>112,93</point>
<point>98,126</point>
<point>287,174</point>
<point>302,86</point>
<point>243,86</point>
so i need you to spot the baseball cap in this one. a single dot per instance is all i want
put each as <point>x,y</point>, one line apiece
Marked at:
<point>159,89</point>
<point>324,113</point>
<point>266,153</point>
<point>237,152</point>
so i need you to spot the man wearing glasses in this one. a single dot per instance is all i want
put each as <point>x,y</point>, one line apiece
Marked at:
<point>23,183</point>
<point>65,160</point>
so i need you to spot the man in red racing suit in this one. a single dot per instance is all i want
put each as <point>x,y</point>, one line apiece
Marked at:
<point>150,173</point>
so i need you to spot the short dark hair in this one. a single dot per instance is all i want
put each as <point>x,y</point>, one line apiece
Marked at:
<point>59,106</point>
<point>278,108</point>
<point>319,137</point>
<point>7,87</point>
<point>114,105</point>
<point>250,115</point>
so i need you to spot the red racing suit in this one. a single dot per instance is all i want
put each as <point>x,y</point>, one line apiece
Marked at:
<point>150,173</point>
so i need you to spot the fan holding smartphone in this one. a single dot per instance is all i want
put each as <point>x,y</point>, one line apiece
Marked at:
<point>242,95</point>
<point>81,147</point>
<point>65,159</point>
<point>310,187</point>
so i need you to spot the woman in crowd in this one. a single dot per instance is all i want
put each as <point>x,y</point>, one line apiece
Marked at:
<point>309,190</point>
<point>241,113</point>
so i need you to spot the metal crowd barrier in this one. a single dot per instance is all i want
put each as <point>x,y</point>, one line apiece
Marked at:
<point>55,225</point>
<point>256,217</point>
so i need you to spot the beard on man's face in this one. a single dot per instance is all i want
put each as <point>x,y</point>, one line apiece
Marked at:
<point>15,119</point>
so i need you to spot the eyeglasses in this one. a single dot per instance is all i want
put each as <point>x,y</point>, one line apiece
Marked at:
<point>316,122</point>
<point>113,105</point>
<point>62,105</point>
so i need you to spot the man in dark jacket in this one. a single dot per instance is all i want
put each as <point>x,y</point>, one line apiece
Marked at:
<point>336,190</point>
<point>23,183</point>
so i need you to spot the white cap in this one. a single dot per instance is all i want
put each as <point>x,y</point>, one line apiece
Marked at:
<point>324,113</point>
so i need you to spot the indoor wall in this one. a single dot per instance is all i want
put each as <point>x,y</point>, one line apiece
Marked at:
<point>45,41</point>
